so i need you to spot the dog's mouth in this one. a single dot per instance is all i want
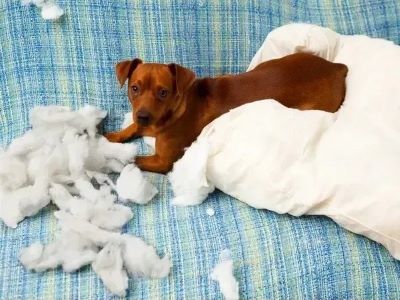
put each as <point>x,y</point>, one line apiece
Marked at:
<point>143,121</point>
<point>147,120</point>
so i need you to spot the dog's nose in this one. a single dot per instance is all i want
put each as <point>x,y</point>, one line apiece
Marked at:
<point>143,117</point>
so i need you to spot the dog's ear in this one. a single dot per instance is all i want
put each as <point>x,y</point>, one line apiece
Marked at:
<point>125,68</point>
<point>183,77</point>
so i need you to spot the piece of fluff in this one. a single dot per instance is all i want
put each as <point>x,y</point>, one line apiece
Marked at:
<point>62,159</point>
<point>70,250</point>
<point>13,173</point>
<point>148,140</point>
<point>99,208</point>
<point>109,266</point>
<point>17,204</point>
<point>100,237</point>
<point>188,176</point>
<point>49,9</point>
<point>131,185</point>
<point>142,260</point>
<point>210,211</point>
<point>223,273</point>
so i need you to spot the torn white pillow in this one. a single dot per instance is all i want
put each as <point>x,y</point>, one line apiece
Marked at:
<point>345,165</point>
<point>293,38</point>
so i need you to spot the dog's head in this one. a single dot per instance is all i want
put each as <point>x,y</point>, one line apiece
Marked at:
<point>156,91</point>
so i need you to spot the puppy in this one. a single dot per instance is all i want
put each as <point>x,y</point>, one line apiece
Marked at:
<point>172,105</point>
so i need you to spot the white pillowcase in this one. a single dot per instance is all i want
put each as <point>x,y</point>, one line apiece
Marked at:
<point>345,165</point>
<point>296,37</point>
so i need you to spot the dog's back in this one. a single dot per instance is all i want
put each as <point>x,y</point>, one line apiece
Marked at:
<point>300,80</point>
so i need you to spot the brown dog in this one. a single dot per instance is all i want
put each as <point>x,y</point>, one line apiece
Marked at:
<point>170,104</point>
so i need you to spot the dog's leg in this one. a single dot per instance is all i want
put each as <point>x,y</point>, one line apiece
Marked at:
<point>132,131</point>
<point>123,135</point>
<point>154,163</point>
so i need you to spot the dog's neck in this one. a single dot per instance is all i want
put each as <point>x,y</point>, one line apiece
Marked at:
<point>199,102</point>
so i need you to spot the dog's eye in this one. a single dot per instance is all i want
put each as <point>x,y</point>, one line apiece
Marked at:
<point>135,89</point>
<point>163,93</point>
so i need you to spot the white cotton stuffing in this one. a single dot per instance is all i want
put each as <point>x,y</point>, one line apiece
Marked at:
<point>9,208</point>
<point>111,254</point>
<point>138,190</point>
<point>63,160</point>
<point>31,255</point>
<point>112,218</point>
<point>188,176</point>
<point>78,152</point>
<point>24,144</point>
<point>210,211</point>
<point>98,236</point>
<point>42,162</point>
<point>97,207</point>
<point>49,9</point>
<point>52,12</point>
<point>113,165</point>
<point>109,266</point>
<point>61,148</point>
<point>138,257</point>
<point>70,250</point>
<point>26,201</point>
<point>120,152</point>
<point>12,172</point>
<point>101,178</point>
<point>60,196</point>
<point>142,260</point>
<point>33,198</point>
<point>102,195</point>
<point>223,274</point>
<point>96,160</point>
<point>52,115</point>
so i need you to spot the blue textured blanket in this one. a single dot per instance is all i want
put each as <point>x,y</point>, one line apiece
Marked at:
<point>71,62</point>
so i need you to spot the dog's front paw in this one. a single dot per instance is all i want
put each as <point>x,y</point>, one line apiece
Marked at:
<point>153,163</point>
<point>141,162</point>
<point>114,137</point>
